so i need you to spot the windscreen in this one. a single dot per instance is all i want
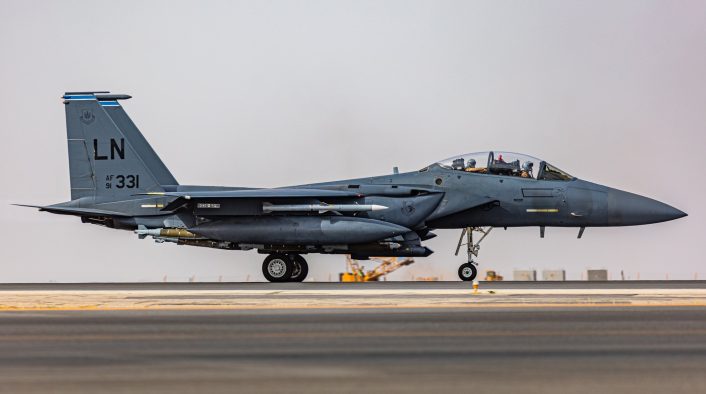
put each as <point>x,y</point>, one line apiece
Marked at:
<point>551,173</point>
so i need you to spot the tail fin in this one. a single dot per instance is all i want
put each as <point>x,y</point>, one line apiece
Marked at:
<point>108,156</point>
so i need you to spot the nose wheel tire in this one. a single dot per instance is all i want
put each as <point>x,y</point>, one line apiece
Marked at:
<point>277,267</point>
<point>467,272</point>
<point>300,269</point>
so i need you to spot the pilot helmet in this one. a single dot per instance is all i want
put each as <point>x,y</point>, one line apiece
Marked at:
<point>527,166</point>
<point>471,163</point>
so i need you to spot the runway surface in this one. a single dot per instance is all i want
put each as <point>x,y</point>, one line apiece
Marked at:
<point>601,285</point>
<point>350,338</point>
<point>200,296</point>
<point>617,350</point>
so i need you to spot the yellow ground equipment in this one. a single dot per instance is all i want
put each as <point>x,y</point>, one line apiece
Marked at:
<point>492,276</point>
<point>356,273</point>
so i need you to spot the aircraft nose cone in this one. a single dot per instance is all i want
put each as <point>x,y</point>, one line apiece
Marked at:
<point>628,209</point>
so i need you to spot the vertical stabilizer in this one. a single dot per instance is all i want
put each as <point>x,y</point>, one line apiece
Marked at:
<point>109,159</point>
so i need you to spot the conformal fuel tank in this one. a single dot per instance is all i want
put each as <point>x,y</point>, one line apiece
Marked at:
<point>310,230</point>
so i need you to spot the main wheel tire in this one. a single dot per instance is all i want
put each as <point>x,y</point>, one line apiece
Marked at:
<point>300,268</point>
<point>467,272</point>
<point>277,267</point>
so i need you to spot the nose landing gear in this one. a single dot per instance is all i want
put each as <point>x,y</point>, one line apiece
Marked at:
<point>468,271</point>
<point>280,267</point>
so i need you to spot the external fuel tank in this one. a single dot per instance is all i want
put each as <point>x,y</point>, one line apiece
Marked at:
<point>301,230</point>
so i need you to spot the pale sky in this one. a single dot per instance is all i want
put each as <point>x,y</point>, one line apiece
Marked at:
<point>273,93</point>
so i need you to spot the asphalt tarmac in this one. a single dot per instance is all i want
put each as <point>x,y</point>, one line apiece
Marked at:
<point>391,337</point>
<point>515,350</point>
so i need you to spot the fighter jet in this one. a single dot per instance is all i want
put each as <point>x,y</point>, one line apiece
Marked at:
<point>118,181</point>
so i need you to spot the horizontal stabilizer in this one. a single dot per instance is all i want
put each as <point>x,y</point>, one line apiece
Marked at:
<point>73,210</point>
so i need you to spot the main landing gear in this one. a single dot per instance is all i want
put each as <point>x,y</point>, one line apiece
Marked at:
<point>280,267</point>
<point>468,271</point>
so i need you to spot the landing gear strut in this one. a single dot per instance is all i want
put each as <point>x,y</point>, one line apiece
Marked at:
<point>280,267</point>
<point>468,271</point>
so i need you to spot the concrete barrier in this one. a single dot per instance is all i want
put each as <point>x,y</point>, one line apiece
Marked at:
<point>524,275</point>
<point>554,275</point>
<point>597,274</point>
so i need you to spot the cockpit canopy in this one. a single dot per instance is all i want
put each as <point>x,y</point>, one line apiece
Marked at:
<point>507,164</point>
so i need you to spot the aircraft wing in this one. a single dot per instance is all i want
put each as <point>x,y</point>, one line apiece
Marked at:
<point>260,193</point>
<point>252,194</point>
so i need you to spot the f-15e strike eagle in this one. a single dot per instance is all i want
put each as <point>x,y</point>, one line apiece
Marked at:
<point>118,181</point>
